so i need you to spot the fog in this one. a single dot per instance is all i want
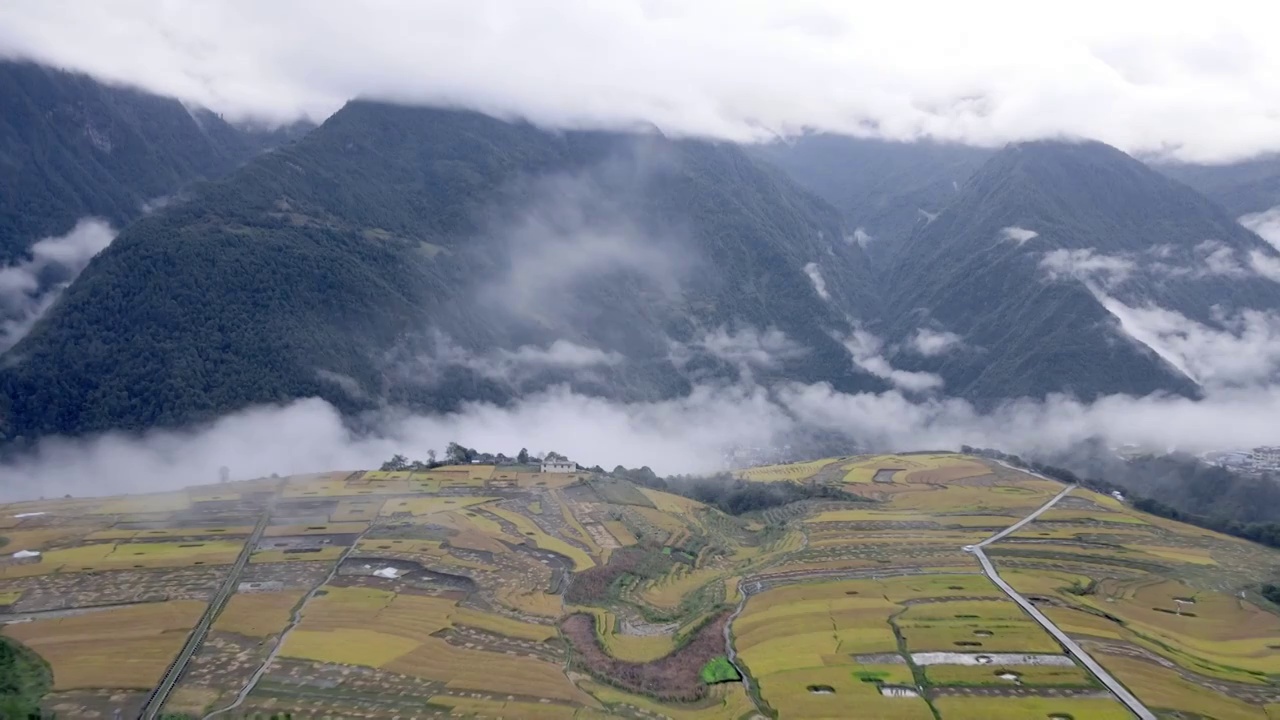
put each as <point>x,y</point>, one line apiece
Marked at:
<point>1145,76</point>
<point>684,435</point>
<point>28,288</point>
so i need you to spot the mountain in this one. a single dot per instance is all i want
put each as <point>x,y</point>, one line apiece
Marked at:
<point>1249,186</point>
<point>71,147</point>
<point>1071,267</point>
<point>884,189</point>
<point>428,257</point>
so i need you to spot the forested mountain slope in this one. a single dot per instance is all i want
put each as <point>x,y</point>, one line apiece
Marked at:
<point>884,188</point>
<point>429,256</point>
<point>71,147</point>
<point>1047,251</point>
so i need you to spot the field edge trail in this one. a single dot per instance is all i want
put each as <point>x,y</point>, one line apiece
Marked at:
<point>1115,686</point>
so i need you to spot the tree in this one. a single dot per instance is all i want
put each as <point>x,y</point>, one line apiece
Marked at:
<point>458,454</point>
<point>523,457</point>
<point>224,474</point>
<point>397,462</point>
<point>431,457</point>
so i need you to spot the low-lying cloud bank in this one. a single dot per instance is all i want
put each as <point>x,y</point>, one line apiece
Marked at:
<point>688,434</point>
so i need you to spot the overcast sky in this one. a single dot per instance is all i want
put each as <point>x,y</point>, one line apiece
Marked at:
<point>1200,81</point>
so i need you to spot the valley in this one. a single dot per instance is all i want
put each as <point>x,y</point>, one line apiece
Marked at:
<point>499,591</point>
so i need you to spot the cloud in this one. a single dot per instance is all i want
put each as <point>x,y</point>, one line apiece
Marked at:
<point>815,277</point>
<point>1266,224</point>
<point>1018,234</point>
<point>1244,351</point>
<point>860,236</point>
<point>508,366</point>
<point>867,351</point>
<point>576,233</point>
<point>930,342</point>
<point>30,287</point>
<point>1153,78</point>
<point>1267,266</point>
<point>1087,266</point>
<point>685,435</point>
<point>766,349</point>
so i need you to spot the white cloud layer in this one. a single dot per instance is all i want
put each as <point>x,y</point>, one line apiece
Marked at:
<point>819,283</point>
<point>1244,351</point>
<point>1087,266</point>
<point>29,287</point>
<point>1266,224</point>
<point>1146,76</point>
<point>1018,234</point>
<point>867,351</point>
<point>929,342</point>
<point>689,434</point>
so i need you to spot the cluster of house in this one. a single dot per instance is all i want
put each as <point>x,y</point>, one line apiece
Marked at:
<point>1265,459</point>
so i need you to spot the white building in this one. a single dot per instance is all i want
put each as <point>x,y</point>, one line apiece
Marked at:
<point>559,466</point>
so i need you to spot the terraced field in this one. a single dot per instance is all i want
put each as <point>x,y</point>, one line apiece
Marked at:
<point>482,591</point>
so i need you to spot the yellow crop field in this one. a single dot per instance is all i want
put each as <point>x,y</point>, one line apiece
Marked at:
<point>727,701</point>
<point>1066,515</point>
<point>329,528</point>
<point>1193,556</point>
<point>135,504</point>
<point>1224,630</point>
<point>669,590</point>
<point>347,646</point>
<point>675,504</point>
<point>115,534</point>
<point>620,533</point>
<point>257,614</point>
<point>332,552</point>
<point>396,545</point>
<point>113,556</point>
<point>1030,675</point>
<point>376,628</point>
<point>975,635</point>
<point>356,510</point>
<point>502,625</point>
<point>789,692</point>
<point>9,597</point>
<point>1022,708</point>
<point>795,472</point>
<point>1159,687</point>
<point>475,707</point>
<point>430,505</point>
<point>127,647</point>
<point>44,537</point>
<point>581,560</point>
<point>534,602</point>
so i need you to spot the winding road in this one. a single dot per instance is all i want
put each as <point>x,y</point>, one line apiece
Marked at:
<point>1120,691</point>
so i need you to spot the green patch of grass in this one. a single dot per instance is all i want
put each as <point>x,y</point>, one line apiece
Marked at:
<point>719,670</point>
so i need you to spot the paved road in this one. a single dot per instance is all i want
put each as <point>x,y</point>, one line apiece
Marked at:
<point>294,619</point>
<point>1133,703</point>
<point>730,652</point>
<point>155,701</point>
